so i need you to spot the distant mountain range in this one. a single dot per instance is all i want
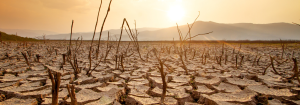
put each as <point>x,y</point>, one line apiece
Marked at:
<point>238,31</point>
<point>114,34</point>
<point>27,33</point>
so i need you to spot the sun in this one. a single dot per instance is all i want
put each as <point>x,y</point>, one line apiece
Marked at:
<point>176,13</point>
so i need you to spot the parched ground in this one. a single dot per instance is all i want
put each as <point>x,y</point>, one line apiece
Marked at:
<point>215,76</point>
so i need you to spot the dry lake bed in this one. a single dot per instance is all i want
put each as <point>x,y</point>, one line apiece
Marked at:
<point>196,73</point>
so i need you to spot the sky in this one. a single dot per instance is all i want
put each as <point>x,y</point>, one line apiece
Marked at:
<point>57,15</point>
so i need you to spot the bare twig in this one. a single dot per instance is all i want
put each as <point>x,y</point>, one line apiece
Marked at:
<point>72,94</point>
<point>266,69</point>
<point>70,47</point>
<point>296,70</point>
<point>282,46</point>
<point>271,58</point>
<point>98,48</point>
<point>55,86</point>
<point>163,75</point>
<point>90,52</point>
<point>26,59</point>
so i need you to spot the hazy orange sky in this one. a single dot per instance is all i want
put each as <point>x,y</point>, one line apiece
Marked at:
<point>56,15</point>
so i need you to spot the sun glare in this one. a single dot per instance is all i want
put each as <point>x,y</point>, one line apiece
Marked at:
<point>176,13</point>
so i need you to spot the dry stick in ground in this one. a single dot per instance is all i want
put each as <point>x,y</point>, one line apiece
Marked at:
<point>44,38</point>
<point>77,48</point>
<point>56,51</point>
<point>64,59</point>
<point>135,39</point>
<point>26,59</point>
<point>266,69</point>
<point>279,63</point>
<point>241,62</point>
<point>122,59</point>
<point>271,58</point>
<point>236,61</point>
<point>282,46</point>
<point>72,94</point>
<point>203,56</point>
<point>29,53</point>
<point>89,72</point>
<point>194,53</point>
<point>257,62</point>
<point>169,68</point>
<point>133,35</point>
<point>183,39</point>
<point>254,60</point>
<point>126,51</point>
<point>226,56</point>
<point>90,51</point>
<point>108,48</point>
<point>70,47</point>
<point>296,71</point>
<point>116,62</point>
<point>163,75</point>
<point>183,64</point>
<point>220,61</point>
<point>98,48</point>
<point>240,48</point>
<point>55,85</point>
<point>74,65</point>
<point>117,51</point>
<point>233,54</point>
<point>189,32</point>
<point>185,56</point>
<point>37,57</point>
<point>217,59</point>
<point>97,64</point>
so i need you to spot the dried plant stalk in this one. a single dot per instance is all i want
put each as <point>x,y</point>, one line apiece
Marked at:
<point>37,57</point>
<point>44,38</point>
<point>70,46</point>
<point>89,72</point>
<point>26,59</point>
<point>90,52</point>
<point>64,59</point>
<point>72,94</point>
<point>108,48</point>
<point>271,58</point>
<point>257,62</point>
<point>55,86</point>
<point>98,48</point>
<point>266,69</point>
<point>254,60</point>
<point>296,70</point>
<point>282,46</point>
<point>163,75</point>
<point>183,39</point>
<point>74,65</point>
<point>236,61</point>
<point>241,62</point>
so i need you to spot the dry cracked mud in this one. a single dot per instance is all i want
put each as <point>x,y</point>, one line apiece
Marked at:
<point>216,75</point>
